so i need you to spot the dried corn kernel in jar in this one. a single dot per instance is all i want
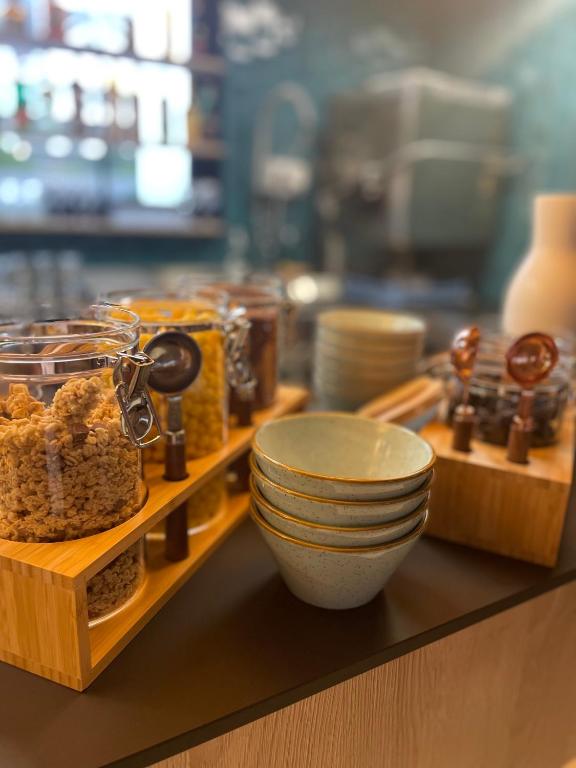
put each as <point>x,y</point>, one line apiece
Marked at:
<point>204,403</point>
<point>117,583</point>
<point>68,469</point>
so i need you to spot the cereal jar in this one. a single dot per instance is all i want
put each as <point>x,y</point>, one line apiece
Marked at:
<point>74,413</point>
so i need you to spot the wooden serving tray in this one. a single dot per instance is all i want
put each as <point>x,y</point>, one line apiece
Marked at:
<point>43,604</point>
<point>482,500</point>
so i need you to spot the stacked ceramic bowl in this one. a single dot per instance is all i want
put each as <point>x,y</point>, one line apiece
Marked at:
<point>362,353</point>
<point>340,500</point>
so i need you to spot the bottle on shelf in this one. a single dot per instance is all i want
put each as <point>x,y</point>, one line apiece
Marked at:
<point>57,17</point>
<point>208,98</point>
<point>77,123</point>
<point>201,28</point>
<point>13,20</point>
<point>195,126</point>
<point>21,112</point>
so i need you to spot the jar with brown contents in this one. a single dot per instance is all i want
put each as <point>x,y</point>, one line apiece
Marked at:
<point>68,468</point>
<point>261,297</point>
<point>495,397</point>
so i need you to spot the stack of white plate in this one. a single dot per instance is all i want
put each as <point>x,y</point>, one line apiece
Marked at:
<point>362,353</point>
<point>340,500</point>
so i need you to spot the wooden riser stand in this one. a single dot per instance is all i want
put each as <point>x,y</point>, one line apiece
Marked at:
<point>43,605</point>
<point>482,500</point>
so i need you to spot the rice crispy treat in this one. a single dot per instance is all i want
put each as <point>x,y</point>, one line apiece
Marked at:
<point>67,470</point>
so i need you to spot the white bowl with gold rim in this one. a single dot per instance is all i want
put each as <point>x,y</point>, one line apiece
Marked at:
<point>372,325</point>
<point>370,368</point>
<point>337,512</point>
<point>342,456</point>
<point>336,535</point>
<point>335,577</point>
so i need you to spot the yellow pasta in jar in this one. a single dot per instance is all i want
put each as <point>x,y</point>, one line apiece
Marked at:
<point>204,404</point>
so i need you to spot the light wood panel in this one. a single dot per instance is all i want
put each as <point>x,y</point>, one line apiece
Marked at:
<point>54,648</point>
<point>482,500</point>
<point>499,694</point>
<point>163,579</point>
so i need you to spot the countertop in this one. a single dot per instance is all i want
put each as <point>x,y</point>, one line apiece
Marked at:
<point>234,645</point>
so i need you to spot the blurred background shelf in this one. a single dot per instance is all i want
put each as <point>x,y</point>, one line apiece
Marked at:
<point>104,226</point>
<point>200,63</point>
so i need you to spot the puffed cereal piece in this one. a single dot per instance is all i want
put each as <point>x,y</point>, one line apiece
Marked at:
<point>20,404</point>
<point>78,398</point>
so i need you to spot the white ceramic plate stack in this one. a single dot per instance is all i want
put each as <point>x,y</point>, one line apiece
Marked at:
<point>340,500</point>
<point>362,353</point>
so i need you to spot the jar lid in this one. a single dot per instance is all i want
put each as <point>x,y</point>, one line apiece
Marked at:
<point>254,291</point>
<point>202,309</point>
<point>30,347</point>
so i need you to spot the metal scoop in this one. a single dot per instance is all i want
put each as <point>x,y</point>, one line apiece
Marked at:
<point>529,361</point>
<point>178,361</point>
<point>463,357</point>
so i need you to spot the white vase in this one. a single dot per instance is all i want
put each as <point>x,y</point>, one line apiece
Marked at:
<point>542,294</point>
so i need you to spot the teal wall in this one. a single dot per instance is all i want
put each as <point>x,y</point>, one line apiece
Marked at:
<point>326,61</point>
<point>535,57</point>
<point>529,47</point>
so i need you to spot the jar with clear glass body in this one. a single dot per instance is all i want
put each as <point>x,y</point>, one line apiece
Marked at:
<point>112,588</point>
<point>261,297</point>
<point>69,437</point>
<point>204,507</point>
<point>202,315</point>
<point>495,397</point>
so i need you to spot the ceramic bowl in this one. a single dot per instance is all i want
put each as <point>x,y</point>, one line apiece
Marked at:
<point>331,535</point>
<point>334,512</point>
<point>362,387</point>
<point>341,369</point>
<point>342,456</point>
<point>363,346</point>
<point>372,324</point>
<point>335,577</point>
<point>370,364</point>
<point>336,402</point>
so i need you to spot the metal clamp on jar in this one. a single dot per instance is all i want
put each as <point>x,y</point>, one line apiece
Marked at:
<point>239,369</point>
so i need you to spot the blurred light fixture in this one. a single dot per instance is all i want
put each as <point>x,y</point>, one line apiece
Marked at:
<point>93,149</point>
<point>163,176</point>
<point>58,146</point>
<point>32,190</point>
<point>303,289</point>
<point>22,151</point>
<point>9,191</point>
<point>126,150</point>
<point>258,29</point>
<point>8,141</point>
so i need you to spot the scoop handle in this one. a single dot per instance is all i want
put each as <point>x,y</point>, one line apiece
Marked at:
<point>176,542</point>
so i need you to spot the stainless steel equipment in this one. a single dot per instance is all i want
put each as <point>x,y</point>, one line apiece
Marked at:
<point>411,173</point>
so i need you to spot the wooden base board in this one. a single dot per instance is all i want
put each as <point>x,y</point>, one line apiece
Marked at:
<point>482,500</point>
<point>43,587</point>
